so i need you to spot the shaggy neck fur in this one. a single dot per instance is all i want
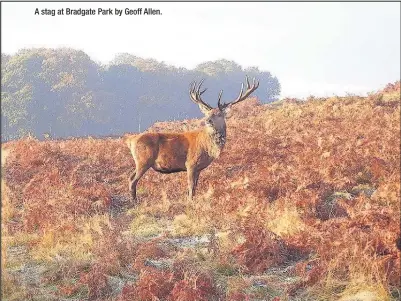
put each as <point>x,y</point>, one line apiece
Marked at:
<point>217,136</point>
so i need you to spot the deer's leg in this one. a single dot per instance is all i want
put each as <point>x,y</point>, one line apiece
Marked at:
<point>139,172</point>
<point>130,179</point>
<point>196,182</point>
<point>193,176</point>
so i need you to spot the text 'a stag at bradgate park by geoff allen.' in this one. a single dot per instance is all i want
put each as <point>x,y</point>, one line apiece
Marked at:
<point>98,11</point>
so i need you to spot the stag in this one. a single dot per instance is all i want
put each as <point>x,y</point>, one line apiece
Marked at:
<point>190,151</point>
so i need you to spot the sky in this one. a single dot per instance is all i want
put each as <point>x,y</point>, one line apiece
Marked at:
<point>320,49</point>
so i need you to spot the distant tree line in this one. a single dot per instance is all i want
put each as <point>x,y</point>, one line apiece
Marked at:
<point>62,92</point>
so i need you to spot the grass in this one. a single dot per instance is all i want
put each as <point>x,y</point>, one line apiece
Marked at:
<point>146,226</point>
<point>284,220</point>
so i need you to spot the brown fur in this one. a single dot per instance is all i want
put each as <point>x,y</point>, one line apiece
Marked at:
<point>189,151</point>
<point>173,152</point>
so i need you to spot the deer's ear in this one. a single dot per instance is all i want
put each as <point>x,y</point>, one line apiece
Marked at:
<point>204,110</point>
<point>227,109</point>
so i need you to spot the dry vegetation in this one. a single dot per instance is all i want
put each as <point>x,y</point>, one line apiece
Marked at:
<point>303,204</point>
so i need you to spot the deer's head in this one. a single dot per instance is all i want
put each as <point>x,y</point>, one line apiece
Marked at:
<point>215,117</point>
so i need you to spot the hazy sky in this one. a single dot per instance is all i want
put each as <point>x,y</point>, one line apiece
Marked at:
<point>313,48</point>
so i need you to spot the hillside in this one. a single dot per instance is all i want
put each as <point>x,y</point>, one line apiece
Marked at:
<point>303,204</point>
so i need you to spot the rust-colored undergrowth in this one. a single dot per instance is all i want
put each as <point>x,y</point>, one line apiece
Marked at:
<point>304,190</point>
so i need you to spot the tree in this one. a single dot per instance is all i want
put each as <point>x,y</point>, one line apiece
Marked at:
<point>64,93</point>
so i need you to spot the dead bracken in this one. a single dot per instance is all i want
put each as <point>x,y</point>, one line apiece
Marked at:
<point>314,213</point>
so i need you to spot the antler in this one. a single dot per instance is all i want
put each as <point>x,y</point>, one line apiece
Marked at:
<point>195,94</point>
<point>241,96</point>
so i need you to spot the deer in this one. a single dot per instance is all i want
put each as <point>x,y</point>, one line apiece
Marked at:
<point>190,151</point>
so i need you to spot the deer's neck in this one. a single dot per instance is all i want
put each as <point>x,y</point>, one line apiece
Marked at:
<point>217,139</point>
